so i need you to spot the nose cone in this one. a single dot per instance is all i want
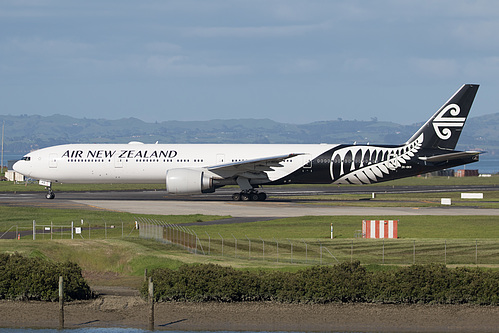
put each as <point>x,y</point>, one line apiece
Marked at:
<point>23,167</point>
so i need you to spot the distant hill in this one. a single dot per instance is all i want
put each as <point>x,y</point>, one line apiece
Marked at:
<point>25,133</point>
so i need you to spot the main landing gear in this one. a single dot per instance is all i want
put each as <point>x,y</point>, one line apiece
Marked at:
<point>249,195</point>
<point>50,194</point>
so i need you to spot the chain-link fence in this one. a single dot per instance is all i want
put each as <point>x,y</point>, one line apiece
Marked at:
<point>71,230</point>
<point>298,251</point>
<point>326,251</point>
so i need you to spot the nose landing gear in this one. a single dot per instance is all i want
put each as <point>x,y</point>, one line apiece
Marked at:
<point>48,186</point>
<point>50,194</point>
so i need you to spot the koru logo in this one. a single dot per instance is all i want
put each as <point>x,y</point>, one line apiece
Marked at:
<point>443,124</point>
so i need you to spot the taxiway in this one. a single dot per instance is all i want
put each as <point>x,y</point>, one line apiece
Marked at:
<point>280,204</point>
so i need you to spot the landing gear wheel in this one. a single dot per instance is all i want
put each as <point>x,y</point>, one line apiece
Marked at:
<point>254,196</point>
<point>249,196</point>
<point>50,195</point>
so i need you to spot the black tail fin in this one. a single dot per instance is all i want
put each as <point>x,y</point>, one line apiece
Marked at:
<point>443,129</point>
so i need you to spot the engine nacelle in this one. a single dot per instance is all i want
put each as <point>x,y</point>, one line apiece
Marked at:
<point>188,181</point>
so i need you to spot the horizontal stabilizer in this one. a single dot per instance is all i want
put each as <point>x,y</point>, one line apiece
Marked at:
<point>450,156</point>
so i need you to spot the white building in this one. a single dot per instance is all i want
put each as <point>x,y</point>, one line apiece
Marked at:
<point>14,176</point>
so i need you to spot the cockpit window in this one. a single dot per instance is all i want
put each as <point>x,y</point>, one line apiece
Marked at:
<point>26,158</point>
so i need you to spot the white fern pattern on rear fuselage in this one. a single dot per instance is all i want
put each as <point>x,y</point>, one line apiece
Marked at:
<point>370,164</point>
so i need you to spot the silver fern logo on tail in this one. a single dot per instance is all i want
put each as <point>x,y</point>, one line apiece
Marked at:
<point>443,123</point>
<point>371,164</point>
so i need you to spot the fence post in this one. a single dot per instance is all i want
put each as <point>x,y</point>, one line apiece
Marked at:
<point>383,251</point>
<point>445,252</point>
<point>209,243</point>
<point>151,305</point>
<point>61,303</point>
<point>306,251</point>
<point>249,247</point>
<point>263,248</point>
<point>222,244</point>
<point>235,246</point>
<point>351,252</point>
<point>414,253</point>
<point>34,230</point>
<point>321,251</point>
<point>476,252</point>
<point>277,248</point>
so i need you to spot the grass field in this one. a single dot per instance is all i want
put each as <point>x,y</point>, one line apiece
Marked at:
<point>285,244</point>
<point>110,251</point>
<point>491,199</point>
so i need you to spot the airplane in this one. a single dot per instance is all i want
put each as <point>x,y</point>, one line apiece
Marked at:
<point>203,168</point>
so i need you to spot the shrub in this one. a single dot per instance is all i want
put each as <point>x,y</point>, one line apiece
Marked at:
<point>436,284</point>
<point>24,278</point>
<point>347,282</point>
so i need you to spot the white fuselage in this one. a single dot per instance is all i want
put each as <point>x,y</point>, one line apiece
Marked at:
<point>202,168</point>
<point>148,163</point>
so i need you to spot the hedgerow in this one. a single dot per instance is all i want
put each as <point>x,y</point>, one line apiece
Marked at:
<point>436,284</point>
<point>345,283</point>
<point>23,278</point>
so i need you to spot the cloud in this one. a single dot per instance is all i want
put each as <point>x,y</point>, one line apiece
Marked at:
<point>359,65</point>
<point>45,47</point>
<point>478,34</point>
<point>482,68</point>
<point>468,69</point>
<point>163,47</point>
<point>434,68</point>
<point>180,66</point>
<point>301,65</point>
<point>256,32</point>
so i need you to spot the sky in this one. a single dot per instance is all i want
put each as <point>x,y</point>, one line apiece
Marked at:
<point>290,61</point>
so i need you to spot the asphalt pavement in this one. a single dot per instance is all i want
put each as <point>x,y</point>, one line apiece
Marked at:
<point>280,203</point>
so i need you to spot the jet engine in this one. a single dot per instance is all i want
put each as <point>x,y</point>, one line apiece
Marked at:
<point>188,181</point>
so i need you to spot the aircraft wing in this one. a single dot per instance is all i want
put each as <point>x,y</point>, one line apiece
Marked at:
<point>450,156</point>
<point>250,168</point>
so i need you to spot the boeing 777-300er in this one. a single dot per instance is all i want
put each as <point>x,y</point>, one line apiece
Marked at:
<point>202,168</point>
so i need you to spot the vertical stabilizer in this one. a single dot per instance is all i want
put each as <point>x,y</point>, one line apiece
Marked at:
<point>442,131</point>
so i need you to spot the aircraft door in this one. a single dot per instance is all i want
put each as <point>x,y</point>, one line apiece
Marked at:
<point>307,161</point>
<point>220,158</point>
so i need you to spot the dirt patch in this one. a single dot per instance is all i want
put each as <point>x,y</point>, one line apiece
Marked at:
<point>115,291</point>
<point>97,280</point>
<point>133,311</point>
